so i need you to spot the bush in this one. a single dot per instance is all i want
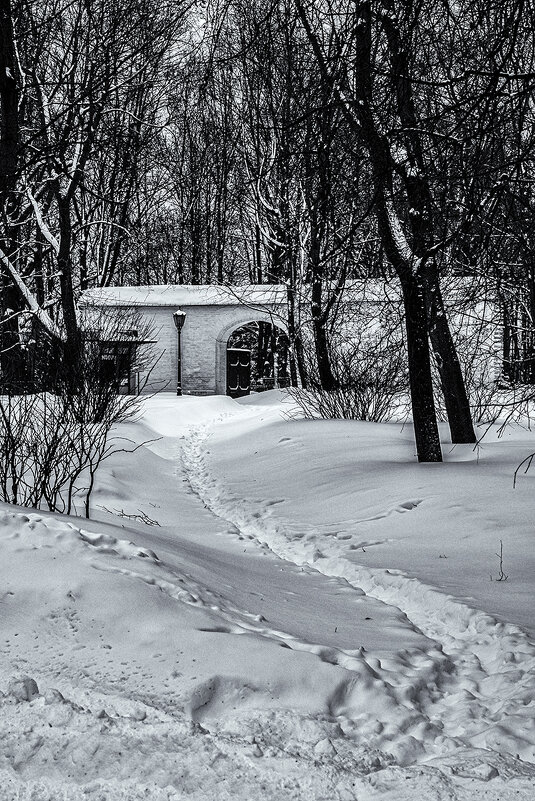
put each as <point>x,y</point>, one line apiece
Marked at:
<point>53,442</point>
<point>372,383</point>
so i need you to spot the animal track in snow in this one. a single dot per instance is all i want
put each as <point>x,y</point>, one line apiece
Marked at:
<point>405,506</point>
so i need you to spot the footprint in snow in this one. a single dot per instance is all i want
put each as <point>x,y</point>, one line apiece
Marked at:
<point>407,506</point>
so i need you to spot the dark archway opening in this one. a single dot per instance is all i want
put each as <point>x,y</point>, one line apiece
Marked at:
<point>257,359</point>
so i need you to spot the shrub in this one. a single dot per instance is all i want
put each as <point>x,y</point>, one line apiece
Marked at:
<point>53,442</point>
<point>372,382</point>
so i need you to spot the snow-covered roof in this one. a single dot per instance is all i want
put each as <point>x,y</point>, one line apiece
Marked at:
<point>185,295</point>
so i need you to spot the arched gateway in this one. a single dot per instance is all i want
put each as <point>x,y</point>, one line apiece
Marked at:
<point>206,322</point>
<point>255,355</point>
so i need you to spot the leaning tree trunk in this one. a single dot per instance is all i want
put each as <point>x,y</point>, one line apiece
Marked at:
<point>449,368</point>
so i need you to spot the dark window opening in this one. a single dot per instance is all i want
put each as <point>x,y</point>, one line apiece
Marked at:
<point>117,360</point>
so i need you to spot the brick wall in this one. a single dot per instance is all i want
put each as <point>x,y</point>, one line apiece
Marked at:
<point>204,339</point>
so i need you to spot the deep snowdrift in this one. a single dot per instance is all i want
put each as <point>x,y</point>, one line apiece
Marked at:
<point>306,613</point>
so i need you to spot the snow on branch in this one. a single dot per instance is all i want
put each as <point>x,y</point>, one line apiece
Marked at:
<point>46,321</point>
<point>43,227</point>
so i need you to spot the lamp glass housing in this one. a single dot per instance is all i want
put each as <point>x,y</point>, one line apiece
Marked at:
<point>179,318</point>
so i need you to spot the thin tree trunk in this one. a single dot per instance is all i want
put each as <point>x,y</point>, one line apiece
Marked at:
<point>296,358</point>
<point>264,332</point>
<point>72,345</point>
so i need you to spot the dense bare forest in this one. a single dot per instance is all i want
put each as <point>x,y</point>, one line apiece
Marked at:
<point>313,145</point>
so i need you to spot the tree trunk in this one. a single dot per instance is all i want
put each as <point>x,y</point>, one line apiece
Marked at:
<point>420,378</point>
<point>12,362</point>
<point>263,356</point>
<point>321,343</point>
<point>9,99</point>
<point>420,201</point>
<point>295,356</point>
<point>325,374</point>
<point>449,368</point>
<point>72,344</point>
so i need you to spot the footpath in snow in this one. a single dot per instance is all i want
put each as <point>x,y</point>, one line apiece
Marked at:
<point>276,609</point>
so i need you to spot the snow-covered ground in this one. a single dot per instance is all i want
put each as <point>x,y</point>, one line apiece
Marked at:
<point>272,608</point>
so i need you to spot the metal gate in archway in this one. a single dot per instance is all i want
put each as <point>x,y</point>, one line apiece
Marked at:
<point>238,372</point>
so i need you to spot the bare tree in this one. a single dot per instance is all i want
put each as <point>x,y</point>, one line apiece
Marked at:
<point>359,109</point>
<point>83,115</point>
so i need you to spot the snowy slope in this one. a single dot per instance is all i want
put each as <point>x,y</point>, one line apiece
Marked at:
<point>308,615</point>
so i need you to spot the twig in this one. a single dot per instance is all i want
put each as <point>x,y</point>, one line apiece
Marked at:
<point>527,461</point>
<point>501,576</point>
<point>141,517</point>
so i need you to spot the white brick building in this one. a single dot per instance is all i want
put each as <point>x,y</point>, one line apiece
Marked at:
<point>213,313</point>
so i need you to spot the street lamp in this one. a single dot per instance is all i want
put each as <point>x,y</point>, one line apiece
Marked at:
<point>179,318</point>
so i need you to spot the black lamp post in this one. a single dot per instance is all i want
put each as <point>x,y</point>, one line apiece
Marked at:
<point>179,318</point>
